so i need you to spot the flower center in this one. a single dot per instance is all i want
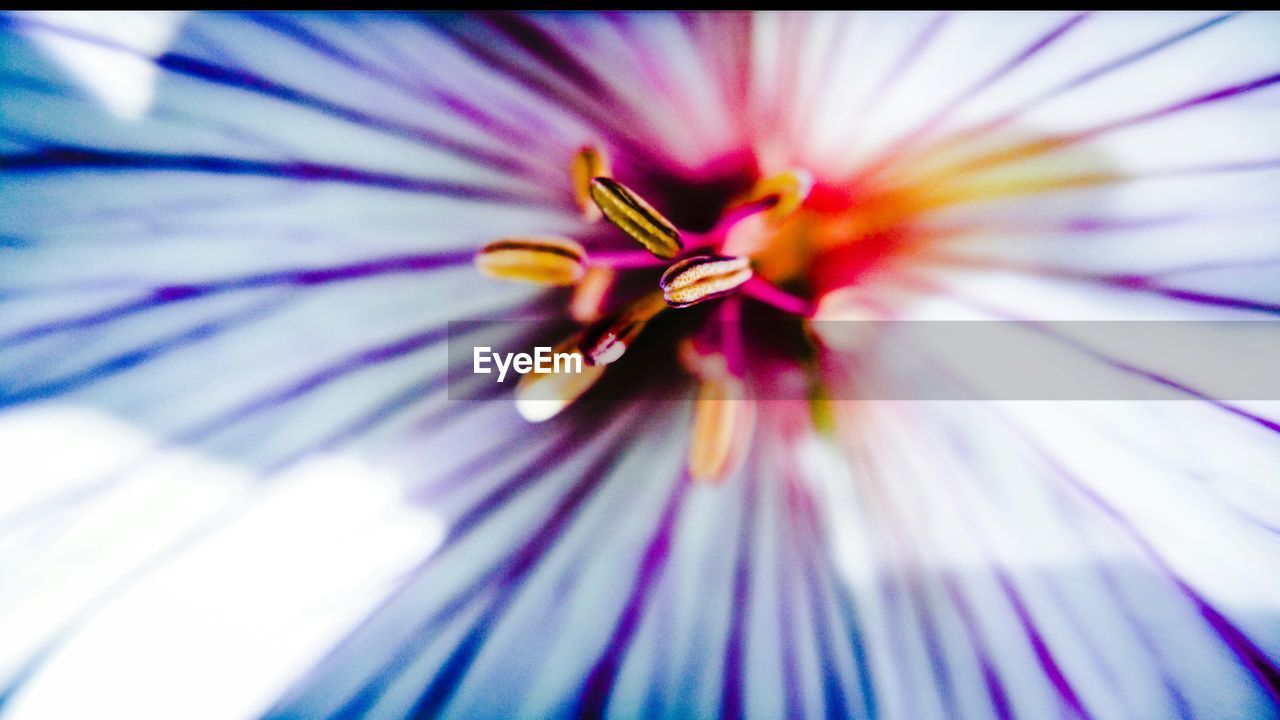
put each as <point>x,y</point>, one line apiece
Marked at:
<point>759,243</point>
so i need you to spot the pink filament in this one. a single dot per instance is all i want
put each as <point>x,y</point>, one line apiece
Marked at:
<point>766,292</point>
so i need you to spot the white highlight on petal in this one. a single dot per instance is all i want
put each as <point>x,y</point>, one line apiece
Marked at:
<point>286,568</point>
<point>122,78</point>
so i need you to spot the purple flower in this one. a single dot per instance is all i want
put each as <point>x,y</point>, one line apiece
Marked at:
<point>241,473</point>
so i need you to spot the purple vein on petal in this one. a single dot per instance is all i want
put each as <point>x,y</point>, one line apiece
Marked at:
<point>412,639</point>
<point>517,119</point>
<point>812,551</point>
<point>878,95</point>
<point>1106,576</point>
<point>649,61</point>
<point>364,359</point>
<point>732,702</point>
<point>1214,265</point>
<point>1154,377</point>
<point>1159,379</point>
<point>923,129</point>
<point>787,588</point>
<point>1203,298</point>
<point>395,404</point>
<point>196,36</point>
<point>1035,148</point>
<point>905,587</point>
<point>1220,168</point>
<point>1224,93</point>
<point>300,278</point>
<point>238,78</point>
<point>615,438</point>
<point>222,420</point>
<point>1263,669</point>
<point>1000,121</point>
<point>1009,66</point>
<point>1133,282</point>
<point>603,674</point>
<point>1095,73</point>
<point>220,518</point>
<point>383,411</point>
<point>1078,626</point>
<point>544,47</point>
<point>990,676</point>
<point>891,590</point>
<point>482,509</point>
<point>954,590</point>
<point>434,97</point>
<point>853,631</point>
<point>921,601</point>
<point>199,431</point>
<point>64,158</point>
<point>19,81</point>
<point>138,356</point>
<point>1044,656</point>
<point>608,117</point>
<point>514,571</point>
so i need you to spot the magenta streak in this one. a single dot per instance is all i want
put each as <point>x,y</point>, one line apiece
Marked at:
<point>619,259</point>
<point>731,342</point>
<point>768,293</point>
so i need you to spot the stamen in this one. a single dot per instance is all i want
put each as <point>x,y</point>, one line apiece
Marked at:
<point>770,294</point>
<point>697,279</point>
<point>589,163</point>
<point>790,188</point>
<point>541,396</point>
<point>698,362</point>
<point>847,319</point>
<point>625,259</point>
<point>636,218</point>
<point>749,219</point>
<point>588,297</point>
<point>607,340</point>
<point>538,260</point>
<point>722,420</point>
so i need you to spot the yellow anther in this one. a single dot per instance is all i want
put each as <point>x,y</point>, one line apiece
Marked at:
<point>541,396</point>
<point>696,279</point>
<point>589,163</point>
<point>636,218</point>
<point>722,419</point>
<point>790,188</point>
<point>538,260</point>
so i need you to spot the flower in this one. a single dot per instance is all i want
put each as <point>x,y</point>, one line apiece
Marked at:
<point>243,480</point>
